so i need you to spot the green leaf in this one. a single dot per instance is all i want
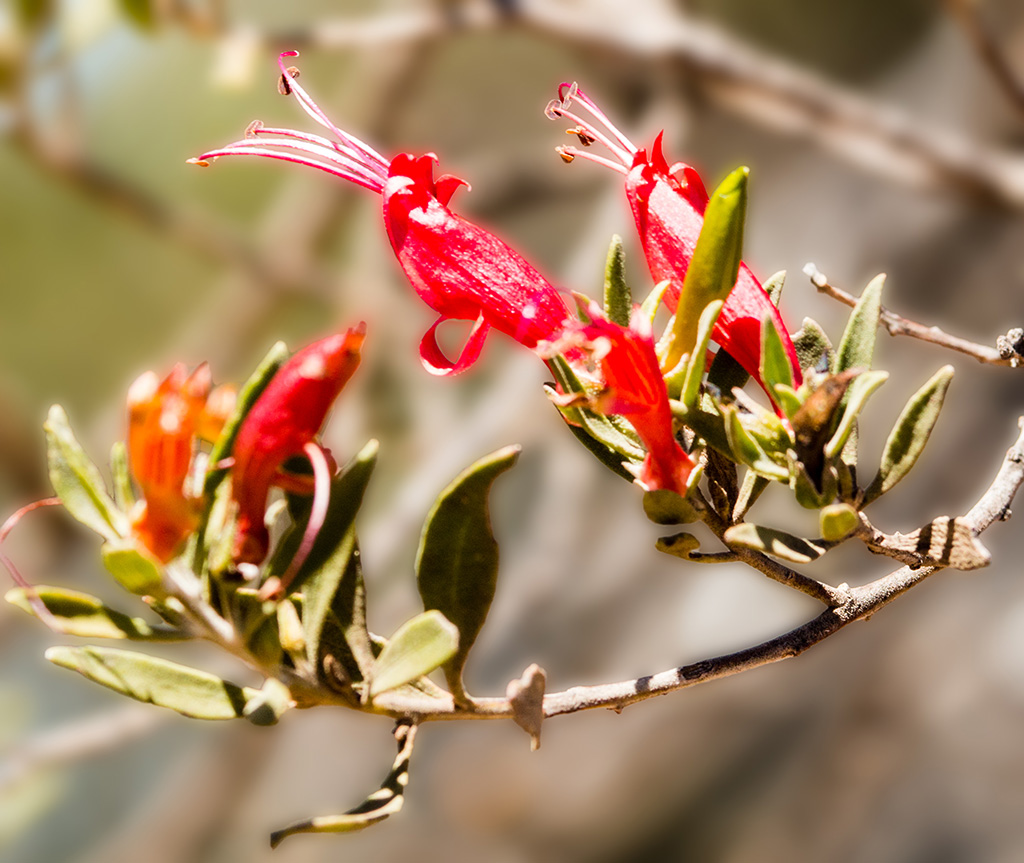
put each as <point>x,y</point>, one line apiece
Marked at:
<point>135,571</point>
<point>124,495</point>
<point>715,264</point>
<point>857,394</point>
<point>775,367</point>
<point>777,543</point>
<point>678,545</point>
<point>788,399</point>
<point>746,448</point>
<point>418,647</point>
<point>268,705</point>
<point>773,286</point>
<point>753,486</point>
<point>189,691</point>
<point>910,434</point>
<point>606,434</point>
<point>250,391</point>
<point>378,806</point>
<point>812,493</point>
<point>697,360</point>
<point>86,616</point>
<point>857,347</point>
<point>837,522</point>
<point>664,506</point>
<point>77,481</point>
<point>457,560</point>
<point>618,299</point>
<point>813,348</point>
<point>331,578</point>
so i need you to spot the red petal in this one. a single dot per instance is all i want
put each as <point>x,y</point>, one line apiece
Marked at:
<point>434,359</point>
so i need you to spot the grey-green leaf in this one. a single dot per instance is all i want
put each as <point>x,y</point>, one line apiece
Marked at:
<point>813,347</point>
<point>837,521</point>
<point>618,298</point>
<point>457,560</point>
<point>86,616</point>
<point>857,348</point>
<point>777,543</point>
<point>77,481</point>
<point>418,647</point>
<point>375,808</point>
<point>910,434</point>
<point>189,691</point>
<point>698,359</point>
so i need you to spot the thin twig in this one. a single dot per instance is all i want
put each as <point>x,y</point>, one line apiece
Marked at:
<point>897,325</point>
<point>860,603</point>
<point>985,43</point>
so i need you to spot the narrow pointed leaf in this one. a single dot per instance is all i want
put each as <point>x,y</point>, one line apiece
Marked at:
<point>857,394</point>
<point>746,448</point>
<point>247,395</point>
<point>715,264</point>
<point>857,348</point>
<point>418,647</point>
<point>696,363</point>
<point>775,367</point>
<point>753,486</point>
<point>378,806</point>
<point>124,495</point>
<point>457,560</point>
<point>86,616</point>
<point>618,299</point>
<point>188,691</point>
<point>773,286</point>
<point>910,434</point>
<point>788,399</point>
<point>777,543</point>
<point>77,481</point>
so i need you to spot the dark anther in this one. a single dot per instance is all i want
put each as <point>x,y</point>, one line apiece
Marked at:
<point>585,138</point>
<point>283,85</point>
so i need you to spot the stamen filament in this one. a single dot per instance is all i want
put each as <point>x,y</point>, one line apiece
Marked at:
<point>624,155</point>
<point>573,152</point>
<point>336,168</point>
<point>380,169</point>
<point>575,93</point>
<point>311,108</point>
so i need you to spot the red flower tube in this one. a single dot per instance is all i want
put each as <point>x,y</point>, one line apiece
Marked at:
<point>668,204</point>
<point>460,270</point>
<point>282,423</point>
<point>635,389</point>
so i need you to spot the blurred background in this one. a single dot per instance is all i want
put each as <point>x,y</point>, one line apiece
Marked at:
<point>882,135</point>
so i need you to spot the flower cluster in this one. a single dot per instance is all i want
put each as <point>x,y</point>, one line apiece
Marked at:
<point>464,272</point>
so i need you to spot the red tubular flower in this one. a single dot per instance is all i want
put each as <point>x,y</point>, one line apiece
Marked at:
<point>165,420</point>
<point>460,270</point>
<point>668,204</point>
<point>635,389</point>
<point>282,423</point>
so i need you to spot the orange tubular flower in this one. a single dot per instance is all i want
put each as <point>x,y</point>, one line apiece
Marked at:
<point>165,420</point>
